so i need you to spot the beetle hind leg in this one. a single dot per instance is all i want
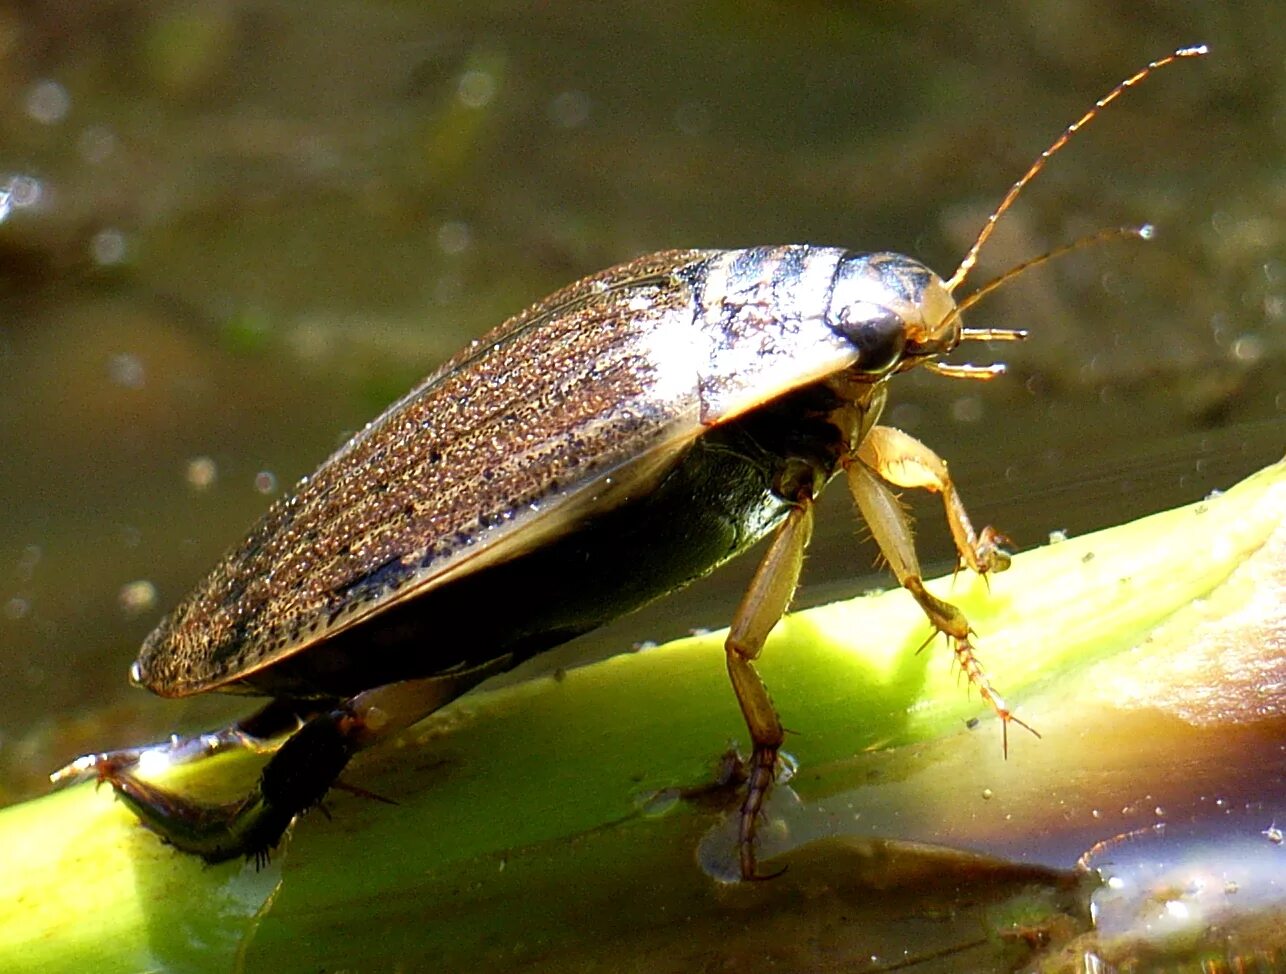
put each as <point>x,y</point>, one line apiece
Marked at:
<point>296,778</point>
<point>763,605</point>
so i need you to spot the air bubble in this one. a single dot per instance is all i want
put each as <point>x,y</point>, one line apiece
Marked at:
<point>659,803</point>
<point>454,237</point>
<point>476,88</point>
<point>1248,348</point>
<point>47,102</point>
<point>96,144</point>
<point>27,563</point>
<point>107,247</point>
<point>17,193</point>
<point>787,767</point>
<point>967,409</point>
<point>201,473</point>
<point>570,109</point>
<point>137,597</point>
<point>127,370</point>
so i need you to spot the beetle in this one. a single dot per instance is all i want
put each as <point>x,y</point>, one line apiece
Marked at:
<point>606,446</point>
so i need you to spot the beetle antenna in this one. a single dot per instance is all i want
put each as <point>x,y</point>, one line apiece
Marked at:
<point>1142,232</point>
<point>986,372</point>
<point>971,257</point>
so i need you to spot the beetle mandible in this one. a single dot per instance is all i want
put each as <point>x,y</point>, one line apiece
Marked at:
<point>602,448</point>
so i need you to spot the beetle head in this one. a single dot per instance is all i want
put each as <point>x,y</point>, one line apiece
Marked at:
<point>895,311</point>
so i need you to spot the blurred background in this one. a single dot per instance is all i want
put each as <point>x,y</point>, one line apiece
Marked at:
<point>235,231</point>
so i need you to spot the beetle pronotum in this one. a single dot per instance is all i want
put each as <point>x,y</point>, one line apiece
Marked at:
<point>606,446</point>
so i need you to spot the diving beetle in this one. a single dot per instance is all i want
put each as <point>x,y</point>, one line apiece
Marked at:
<point>600,449</point>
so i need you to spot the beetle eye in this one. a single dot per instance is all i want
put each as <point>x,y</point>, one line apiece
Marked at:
<point>878,334</point>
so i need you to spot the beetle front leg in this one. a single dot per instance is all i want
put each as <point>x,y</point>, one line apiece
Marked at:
<point>761,608</point>
<point>892,532</point>
<point>904,461</point>
<point>297,776</point>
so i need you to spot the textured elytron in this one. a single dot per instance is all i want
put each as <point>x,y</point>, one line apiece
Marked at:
<point>550,399</point>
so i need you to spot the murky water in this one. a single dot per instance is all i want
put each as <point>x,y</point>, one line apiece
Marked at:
<point>245,229</point>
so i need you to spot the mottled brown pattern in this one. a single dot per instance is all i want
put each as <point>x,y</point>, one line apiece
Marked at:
<point>763,316</point>
<point>523,415</point>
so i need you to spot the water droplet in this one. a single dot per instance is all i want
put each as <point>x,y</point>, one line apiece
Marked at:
<point>47,102</point>
<point>787,767</point>
<point>107,247</point>
<point>201,473</point>
<point>659,803</point>
<point>717,852</point>
<point>1248,348</point>
<point>906,415</point>
<point>127,370</point>
<point>26,190</point>
<point>967,409</point>
<point>96,144</point>
<point>266,482</point>
<point>1222,222</point>
<point>476,88</point>
<point>137,597</point>
<point>454,237</point>
<point>570,109</point>
<point>27,563</point>
<point>19,192</point>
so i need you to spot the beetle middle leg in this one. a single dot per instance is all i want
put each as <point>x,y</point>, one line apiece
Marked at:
<point>763,605</point>
<point>888,455</point>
